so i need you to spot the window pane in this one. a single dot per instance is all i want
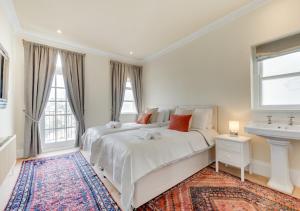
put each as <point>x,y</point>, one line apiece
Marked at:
<point>60,121</point>
<point>60,135</point>
<point>53,81</point>
<point>71,133</point>
<point>289,63</point>
<point>128,95</point>
<point>128,107</point>
<point>49,136</point>
<point>71,122</point>
<point>61,94</point>
<point>61,107</point>
<point>50,108</point>
<point>52,94</point>
<point>128,84</point>
<point>282,91</point>
<point>49,122</point>
<point>60,80</point>
<point>69,111</point>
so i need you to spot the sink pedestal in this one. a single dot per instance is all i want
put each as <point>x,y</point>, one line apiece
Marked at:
<point>280,175</point>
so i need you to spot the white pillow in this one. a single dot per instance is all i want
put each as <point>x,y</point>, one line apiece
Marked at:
<point>202,118</point>
<point>154,113</point>
<point>163,115</point>
<point>160,116</point>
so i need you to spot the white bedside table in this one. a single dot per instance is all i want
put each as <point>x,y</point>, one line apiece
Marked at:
<point>235,151</point>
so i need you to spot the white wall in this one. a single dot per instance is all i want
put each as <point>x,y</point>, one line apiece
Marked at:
<point>215,69</point>
<point>7,39</point>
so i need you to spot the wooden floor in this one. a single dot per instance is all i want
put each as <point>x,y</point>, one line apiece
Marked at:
<point>6,188</point>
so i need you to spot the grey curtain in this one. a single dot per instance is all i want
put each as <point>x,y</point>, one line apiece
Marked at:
<point>118,77</point>
<point>135,75</point>
<point>73,72</point>
<point>39,64</point>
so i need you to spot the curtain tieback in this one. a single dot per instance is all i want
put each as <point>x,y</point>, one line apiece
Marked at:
<point>30,117</point>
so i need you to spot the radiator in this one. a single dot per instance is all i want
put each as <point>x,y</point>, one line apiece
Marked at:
<point>7,156</point>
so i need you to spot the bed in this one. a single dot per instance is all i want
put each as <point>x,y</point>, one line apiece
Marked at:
<point>143,169</point>
<point>94,133</point>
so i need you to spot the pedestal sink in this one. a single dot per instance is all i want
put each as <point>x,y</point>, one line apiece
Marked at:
<point>279,137</point>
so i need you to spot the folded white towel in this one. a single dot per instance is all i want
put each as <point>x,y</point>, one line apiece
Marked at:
<point>148,135</point>
<point>113,124</point>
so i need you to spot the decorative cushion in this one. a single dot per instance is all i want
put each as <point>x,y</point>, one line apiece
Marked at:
<point>144,118</point>
<point>185,111</point>
<point>180,122</point>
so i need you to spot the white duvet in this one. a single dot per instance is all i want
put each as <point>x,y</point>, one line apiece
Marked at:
<point>127,157</point>
<point>94,133</point>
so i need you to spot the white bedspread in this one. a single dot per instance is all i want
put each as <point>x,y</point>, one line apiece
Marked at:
<point>94,133</point>
<point>128,158</point>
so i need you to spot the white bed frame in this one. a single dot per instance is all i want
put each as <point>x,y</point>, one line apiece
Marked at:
<point>160,180</point>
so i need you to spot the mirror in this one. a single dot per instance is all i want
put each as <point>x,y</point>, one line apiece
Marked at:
<point>4,61</point>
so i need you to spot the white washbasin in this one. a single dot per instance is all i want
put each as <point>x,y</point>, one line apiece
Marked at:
<point>278,136</point>
<point>277,130</point>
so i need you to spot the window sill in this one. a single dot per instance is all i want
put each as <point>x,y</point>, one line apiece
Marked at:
<point>276,109</point>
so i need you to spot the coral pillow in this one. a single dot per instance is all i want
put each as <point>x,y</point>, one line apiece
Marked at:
<point>144,118</point>
<point>180,122</point>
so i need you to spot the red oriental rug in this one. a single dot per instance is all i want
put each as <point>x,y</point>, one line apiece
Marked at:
<point>208,190</point>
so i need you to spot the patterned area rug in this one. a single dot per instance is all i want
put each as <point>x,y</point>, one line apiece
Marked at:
<point>65,182</point>
<point>208,190</point>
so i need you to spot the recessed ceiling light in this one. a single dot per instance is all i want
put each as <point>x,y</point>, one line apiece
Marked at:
<point>130,52</point>
<point>59,31</point>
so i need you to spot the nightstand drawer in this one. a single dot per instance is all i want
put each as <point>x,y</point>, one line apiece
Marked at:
<point>229,145</point>
<point>232,158</point>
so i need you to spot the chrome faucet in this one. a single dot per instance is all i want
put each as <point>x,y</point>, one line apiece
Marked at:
<point>269,119</point>
<point>291,122</point>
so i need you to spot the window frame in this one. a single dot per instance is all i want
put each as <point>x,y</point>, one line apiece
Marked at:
<point>257,80</point>
<point>130,101</point>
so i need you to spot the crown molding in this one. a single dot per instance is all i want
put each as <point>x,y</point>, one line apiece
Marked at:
<point>73,46</point>
<point>45,39</point>
<point>208,28</point>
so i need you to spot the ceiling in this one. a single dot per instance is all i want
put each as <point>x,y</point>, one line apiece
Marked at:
<point>120,26</point>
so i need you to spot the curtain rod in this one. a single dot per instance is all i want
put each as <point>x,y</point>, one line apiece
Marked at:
<point>114,61</point>
<point>60,49</point>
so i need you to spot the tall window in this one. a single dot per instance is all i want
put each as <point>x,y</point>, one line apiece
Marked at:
<point>128,106</point>
<point>58,122</point>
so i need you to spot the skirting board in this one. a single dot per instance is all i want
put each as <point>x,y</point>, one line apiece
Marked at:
<point>264,169</point>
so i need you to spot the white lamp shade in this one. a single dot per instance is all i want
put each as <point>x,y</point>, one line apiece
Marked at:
<point>234,126</point>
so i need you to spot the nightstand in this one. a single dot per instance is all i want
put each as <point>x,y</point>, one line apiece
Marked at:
<point>234,151</point>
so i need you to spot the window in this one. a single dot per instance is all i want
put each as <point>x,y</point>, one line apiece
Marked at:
<point>277,81</point>
<point>58,123</point>
<point>276,74</point>
<point>128,106</point>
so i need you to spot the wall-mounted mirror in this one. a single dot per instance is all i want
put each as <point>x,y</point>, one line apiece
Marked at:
<point>4,62</point>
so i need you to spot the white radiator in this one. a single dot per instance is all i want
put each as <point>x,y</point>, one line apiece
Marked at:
<point>7,156</point>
